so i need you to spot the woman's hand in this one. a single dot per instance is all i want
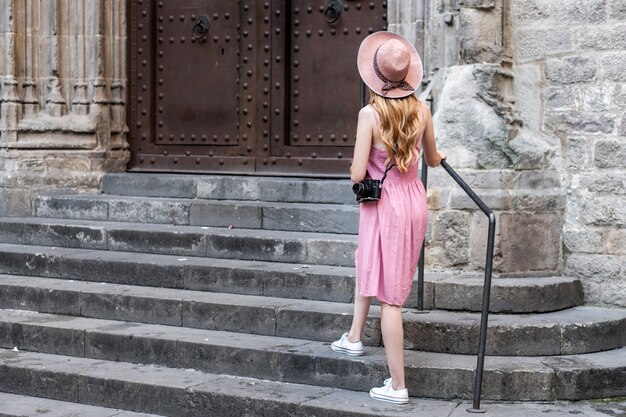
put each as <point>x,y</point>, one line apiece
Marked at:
<point>442,156</point>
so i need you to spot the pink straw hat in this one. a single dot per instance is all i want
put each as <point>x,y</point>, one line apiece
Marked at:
<point>389,65</point>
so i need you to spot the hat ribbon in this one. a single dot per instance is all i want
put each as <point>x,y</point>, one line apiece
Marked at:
<point>388,84</point>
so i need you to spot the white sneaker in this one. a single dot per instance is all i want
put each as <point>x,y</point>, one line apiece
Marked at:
<point>343,345</point>
<point>387,393</point>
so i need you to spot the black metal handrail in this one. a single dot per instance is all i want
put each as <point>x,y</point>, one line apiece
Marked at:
<point>487,284</point>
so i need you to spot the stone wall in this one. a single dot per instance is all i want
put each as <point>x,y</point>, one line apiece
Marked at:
<point>572,54</point>
<point>62,83</point>
<point>467,53</point>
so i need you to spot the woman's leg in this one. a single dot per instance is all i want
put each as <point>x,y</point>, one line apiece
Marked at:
<point>361,309</point>
<point>393,338</point>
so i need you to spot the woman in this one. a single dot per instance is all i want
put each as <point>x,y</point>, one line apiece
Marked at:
<point>391,132</point>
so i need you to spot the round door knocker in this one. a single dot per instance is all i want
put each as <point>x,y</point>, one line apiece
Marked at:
<point>332,10</point>
<point>200,28</point>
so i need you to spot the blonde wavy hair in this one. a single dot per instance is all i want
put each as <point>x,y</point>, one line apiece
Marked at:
<point>399,127</point>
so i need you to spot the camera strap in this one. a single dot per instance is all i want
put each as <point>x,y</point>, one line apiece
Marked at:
<point>385,175</point>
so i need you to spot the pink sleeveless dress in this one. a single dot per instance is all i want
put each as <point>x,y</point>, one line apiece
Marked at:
<point>391,232</point>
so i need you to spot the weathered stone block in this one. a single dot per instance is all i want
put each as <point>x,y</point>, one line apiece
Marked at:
<point>582,378</point>
<point>327,369</point>
<point>20,263</point>
<point>115,344</point>
<point>54,235</point>
<point>595,267</point>
<point>530,242</point>
<point>603,182</point>
<point>579,153</point>
<point>560,97</point>
<point>530,10</point>
<point>123,270</point>
<point>532,151</point>
<point>140,211</point>
<point>451,234</point>
<point>572,122</point>
<point>491,179</point>
<point>227,188</point>
<point>250,319</point>
<point>618,10</point>
<point>494,199</point>
<point>152,241</point>
<point>329,252</point>
<point>609,292</point>
<point>533,44</point>
<point>535,180</point>
<point>526,83</point>
<point>15,202</point>
<point>310,191</point>
<point>615,242</point>
<point>622,127</point>
<point>538,200</point>
<point>35,335</point>
<point>591,11</point>
<point>225,215</point>
<point>610,154</point>
<point>115,392</point>
<point>477,4</point>
<point>338,288</point>
<point>266,249</point>
<point>612,67</point>
<point>78,165</point>
<point>576,69</point>
<point>70,208</point>
<point>131,308</point>
<point>462,102</point>
<point>602,37</point>
<point>479,233</point>
<point>62,386</point>
<point>322,325</point>
<point>307,218</point>
<point>605,211</point>
<point>579,240</point>
<point>480,33</point>
<point>219,357</point>
<point>149,185</point>
<point>40,299</point>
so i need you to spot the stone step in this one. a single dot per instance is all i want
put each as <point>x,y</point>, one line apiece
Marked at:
<point>220,187</point>
<point>187,392</point>
<point>13,405</point>
<point>250,244</point>
<point>572,331</point>
<point>301,217</point>
<point>283,280</point>
<point>431,375</point>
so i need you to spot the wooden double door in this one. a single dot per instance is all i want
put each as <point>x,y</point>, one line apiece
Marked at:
<point>244,86</point>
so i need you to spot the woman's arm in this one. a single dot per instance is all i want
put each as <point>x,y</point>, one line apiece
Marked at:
<point>362,147</point>
<point>432,155</point>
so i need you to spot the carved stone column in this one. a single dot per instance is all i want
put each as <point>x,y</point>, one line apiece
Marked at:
<point>62,114</point>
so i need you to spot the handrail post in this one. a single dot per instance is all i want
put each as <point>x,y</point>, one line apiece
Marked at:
<point>420,265</point>
<point>484,317</point>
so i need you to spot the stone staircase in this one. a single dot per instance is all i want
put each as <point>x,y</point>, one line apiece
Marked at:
<point>219,296</point>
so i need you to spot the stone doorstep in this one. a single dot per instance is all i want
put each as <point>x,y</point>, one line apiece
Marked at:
<point>431,375</point>
<point>301,217</point>
<point>190,393</point>
<point>224,187</point>
<point>251,244</point>
<point>573,331</point>
<point>283,280</point>
<point>12,405</point>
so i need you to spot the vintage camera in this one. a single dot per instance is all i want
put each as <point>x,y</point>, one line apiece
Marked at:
<point>367,190</point>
